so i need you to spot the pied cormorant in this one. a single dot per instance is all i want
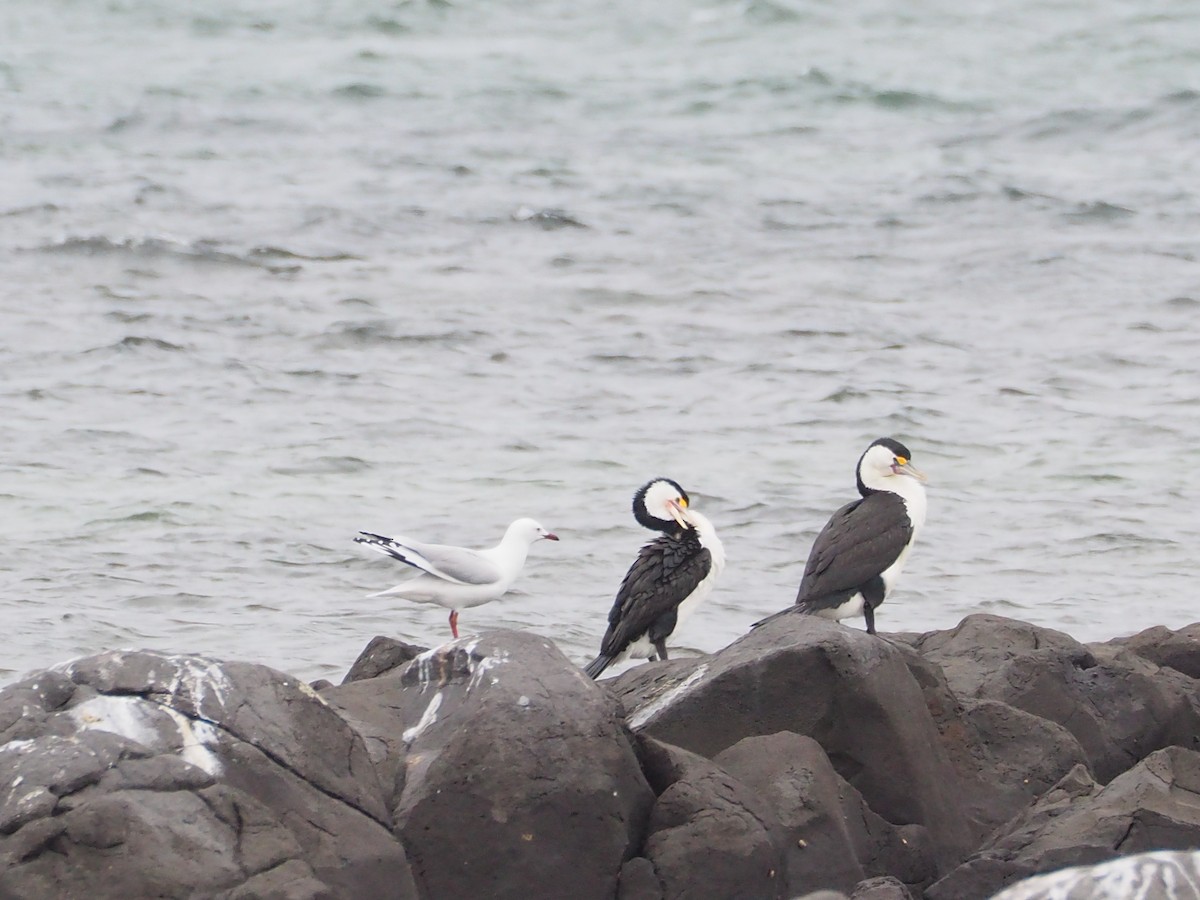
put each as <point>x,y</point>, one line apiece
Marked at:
<point>857,557</point>
<point>667,581</point>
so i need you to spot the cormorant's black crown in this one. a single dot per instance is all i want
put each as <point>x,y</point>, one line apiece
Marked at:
<point>897,448</point>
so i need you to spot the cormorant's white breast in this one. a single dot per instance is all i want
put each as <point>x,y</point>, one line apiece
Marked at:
<point>670,577</point>
<point>857,557</point>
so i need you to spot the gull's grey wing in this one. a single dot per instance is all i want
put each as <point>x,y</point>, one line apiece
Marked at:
<point>456,564</point>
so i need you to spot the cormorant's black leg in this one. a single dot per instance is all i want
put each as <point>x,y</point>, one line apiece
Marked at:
<point>869,615</point>
<point>661,646</point>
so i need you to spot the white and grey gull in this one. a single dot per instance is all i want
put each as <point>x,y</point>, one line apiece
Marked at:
<point>857,558</point>
<point>457,577</point>
<point>672,574</point>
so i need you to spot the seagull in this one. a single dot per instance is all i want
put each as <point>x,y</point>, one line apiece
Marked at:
<point>455,577</point>
<point>667,581</point>
<point>857,557</point>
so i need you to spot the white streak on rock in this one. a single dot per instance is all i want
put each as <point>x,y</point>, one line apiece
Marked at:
<point>427,718</point>
<point>126,716</point>
<point>134,718</point>
<point>644,714</point>
<point>200,677</point>
<point>1160,875</point>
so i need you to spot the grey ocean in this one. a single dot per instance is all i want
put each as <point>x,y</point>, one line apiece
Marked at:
<point>275,272</point>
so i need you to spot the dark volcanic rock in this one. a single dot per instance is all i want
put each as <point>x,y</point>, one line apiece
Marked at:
<point>519,779</point>
<point>1118,706</point>
<point>851,691</point>
<point>832,839</point>
<point>1178,650</point>
<point>382,655</point>
<point>1153,806</point>
<point>884,887</point>
<point>639,881</point>
<point>175,775</point>
<point>709,835</point>
<point>1005,757</point>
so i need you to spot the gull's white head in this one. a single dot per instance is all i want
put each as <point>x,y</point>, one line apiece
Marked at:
<point>883,462</point>
<point>528,530</point>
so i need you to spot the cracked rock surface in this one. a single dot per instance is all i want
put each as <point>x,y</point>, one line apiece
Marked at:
<point>510,773</point>
<point>181,776</point>
<point>805,757</point>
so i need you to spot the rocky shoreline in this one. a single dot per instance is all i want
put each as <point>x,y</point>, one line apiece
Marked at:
<point>805,758</point>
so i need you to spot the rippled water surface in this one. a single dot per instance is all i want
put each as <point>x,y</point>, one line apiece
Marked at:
<point>274,272</point>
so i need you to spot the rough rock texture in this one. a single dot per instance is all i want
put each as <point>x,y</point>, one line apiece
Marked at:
<point>850,691</point>
<point>1153,806</point>
<point>173,775</point>
<point>810,755</point>
<point>884,887</point>
<point>1118,706</point>
<point>1164,875</point>
<point>709,836</point>
<point>832,839</point>
<point>519,779</point>
<point>1005,758</point>
<point>382,655</point>
<point>1178,650</point>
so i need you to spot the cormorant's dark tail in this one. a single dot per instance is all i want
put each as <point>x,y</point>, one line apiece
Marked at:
<point>598,665</point>
<point>773,616</point>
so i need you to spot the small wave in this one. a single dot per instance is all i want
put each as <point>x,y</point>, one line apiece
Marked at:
<point>326,465</point>
<point>547,219</point>
<point>775,12</point>
<point>358,334</point>
<point>202,251</point>
<point>135,342</point>
<point>143,248</point>
<point>899,99</point>
<point>1177,109</point>
<point>149,515</point>
<point>1098,211</point>
<point>845,394</point>
<point>360,90</point>
<point>29,210</point>
<point>269,252</point>
<point>387,25</point>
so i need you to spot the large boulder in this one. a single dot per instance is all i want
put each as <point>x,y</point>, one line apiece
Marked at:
<point>1150,807</point>
<point>511,773</point>
<point>850,691</point>
<point>1005,757</point>
<point>1116,705</point>
<point>709,835</point>
<point>832,839</point>
<point>143,774</point>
